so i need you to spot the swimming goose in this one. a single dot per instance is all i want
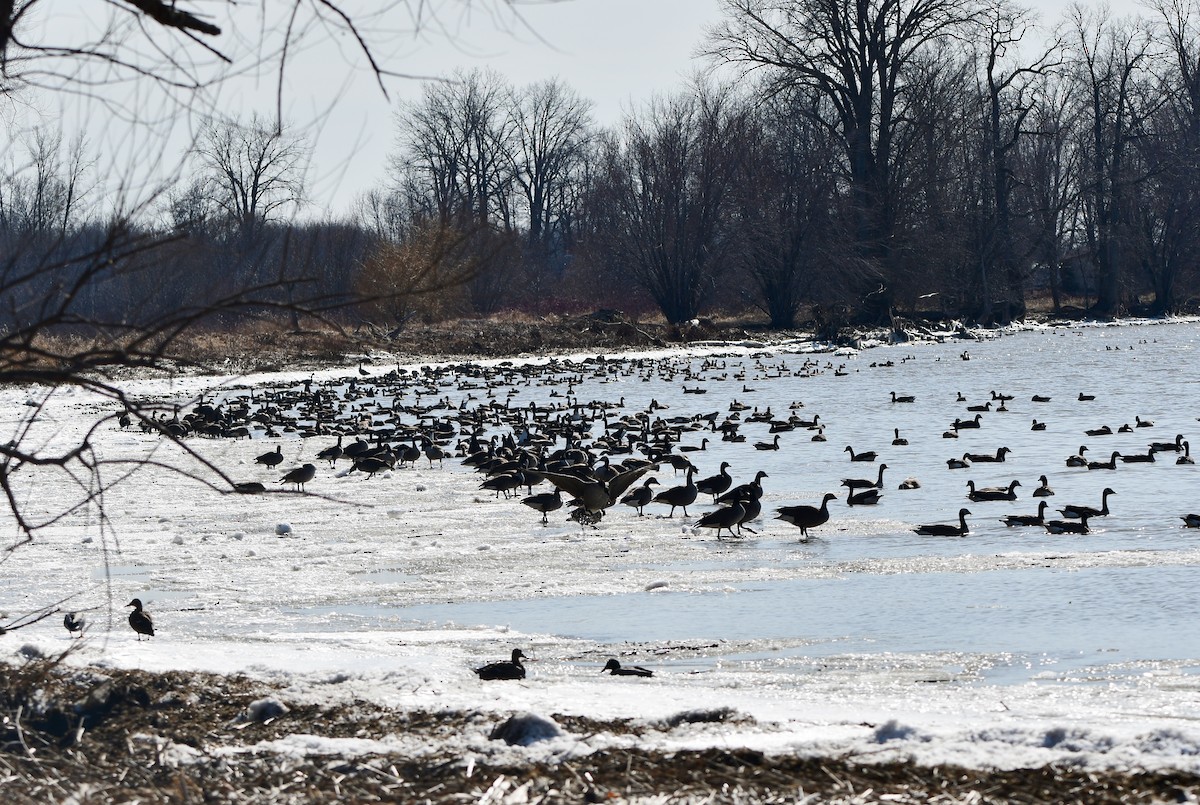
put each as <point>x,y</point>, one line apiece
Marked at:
<point>1086,397</point>
<point>1168,447</point>
<point>943,530</point>
<point>898,442</point>
<point>1186,458</point>
<point>1143,423</point>
<point>1111,464</point>
<point>1043,491</point>
<point>140,620</point>
<point>863,483</point>
<point>960,424</point>
<point>806,517</point>
<point>987,406</point>
<point>869,455</point>
<point>1191,520</point>
<point>867,497</point>
<point>772,445</point>
<point>1138,458</point>
<point>504,670</point>
<point>1078,460</point>
<point>1038,398</point>
<point>630,670</point>
<point>958,463</point>
<point>716,484</point>
<point>1103,430</point>
<point>984,457</point>
<point>1067,526</point>
<point>993,492</point>
<point>679,496</point>
<point>640,496</point>
<point>1027,519</point>
<point>1037,425</point>
<point>905,398</point>
<point>1076,512</point>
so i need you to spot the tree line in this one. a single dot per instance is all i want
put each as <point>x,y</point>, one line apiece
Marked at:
<point>842,161</point>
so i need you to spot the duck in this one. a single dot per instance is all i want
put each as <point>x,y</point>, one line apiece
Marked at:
<point>679,496</point>
<point>594,495</point>
<point>140,619</point>
<point>512,669</point>
<point>868,455</point>
<point>640,496</point>
<point>985,457</point>
<point>716,484</point>
<point>1027,519</point>
<point>1043,491</point>
<point>616,669</point>
<point>1111,464</point>
<point>74,624</point>
<point>898,441</point>
<point>1078,460</point>
<point>271,459</point>
<point>863,483</point>
<point>993,492</point>
<point>545,502</point>
<point>944,530</point>
<point>1077,512</point>
<point>1067,526</point>
<point>806,517</point>
<point>300,476</point>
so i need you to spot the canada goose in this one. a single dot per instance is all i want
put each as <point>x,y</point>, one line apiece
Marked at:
<point>1111,464</point>
<point>1168,447</point>
<point>511,669</point>
<point>1191,520</point>
<point>73,624</point>
<point>692,448</point>
<point>1038,398</point>
<point>1103,430</point>
<point>868,455</point>
<point>987,406</point>
<point>1027,519</point>
<point>993,492</point>
<point>906,398</point>
<point>300,476</point>
<point>1067,526</point>
<point>958,463</point>
<point>716,484</point>
<point>772,445</point>
<point>1076,512</point>
<point>898,442</point>
<point>725,517</point>
<point>1186,458</point>
<point>1138,458</point>
<point>1086,397</point>
<point>630,670</point>
<point>943,530</point>
<point>867,497</point>
<point>506,482</point>
<point>1126,428</point>
<point>820,435</point>
<point>745,491</point>
<point>983,457</point>
<point>806,517</point>
<point>140,620</point>
<point>271,459</point>
<point>863,483</point>
<point>679,496</point>
<point>640,496</point>
<point>545,502</point>
<point>594,495</point>
<point>1043,491</point>
<point>1143,423</point>
<point>332,454</point>
<point>1078,460</point>
<point>960,424</point>
<point>1037,425</point>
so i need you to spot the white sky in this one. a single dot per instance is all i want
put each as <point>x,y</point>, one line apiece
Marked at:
<point>617,53</point>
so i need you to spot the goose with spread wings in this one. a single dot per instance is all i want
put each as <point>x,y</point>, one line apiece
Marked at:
<point>595,496</point>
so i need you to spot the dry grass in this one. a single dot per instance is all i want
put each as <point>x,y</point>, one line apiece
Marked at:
<point>88,736</point>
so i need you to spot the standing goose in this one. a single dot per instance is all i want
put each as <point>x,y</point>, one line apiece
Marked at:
<point>716,484</point>
<point>806,517</point>
<point>944,530</point>
<point>745,491</point>
<point>332,454</point>
<point>1043,491</point>
<point>300,476</point>
<point>863,483</point>
<point>545,502</point>
<point>640,496</point>
<point>869,455</point>
<point>1077,512</point>
<point>271,459</point>
<point>725,517</point>
<point>504,670</point>
<point>140,620</point>
<point>595,496</point>
<point>1027,519</point>
<point>679,496</point>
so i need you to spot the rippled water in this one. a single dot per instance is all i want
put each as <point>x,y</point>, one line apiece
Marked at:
<point>1128,592</point>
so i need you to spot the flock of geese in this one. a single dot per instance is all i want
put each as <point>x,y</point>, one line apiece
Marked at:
<point>596,456</point>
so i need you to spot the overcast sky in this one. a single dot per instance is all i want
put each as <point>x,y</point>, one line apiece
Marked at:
<point>617,53</point>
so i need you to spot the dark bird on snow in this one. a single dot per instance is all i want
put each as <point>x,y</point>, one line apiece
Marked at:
<point>512,669</point>
<point>74,624</point>
<point>300,476</point>
<point>140,619</point>
<point>632,670</point>
<point>271,459</point>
